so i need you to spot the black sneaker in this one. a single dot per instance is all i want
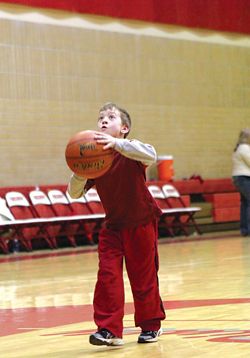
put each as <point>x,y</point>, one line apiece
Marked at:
<point>149,336</point>
<point>105,338</point>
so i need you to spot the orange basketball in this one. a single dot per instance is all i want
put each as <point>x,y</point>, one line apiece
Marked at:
<point>87,158</point>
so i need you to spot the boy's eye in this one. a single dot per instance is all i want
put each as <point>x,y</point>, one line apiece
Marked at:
<point>110,117</point>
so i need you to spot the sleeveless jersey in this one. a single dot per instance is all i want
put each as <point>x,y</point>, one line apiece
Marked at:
<point>124,194</point>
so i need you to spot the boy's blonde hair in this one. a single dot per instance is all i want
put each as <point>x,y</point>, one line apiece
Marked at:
<point>125,117</point>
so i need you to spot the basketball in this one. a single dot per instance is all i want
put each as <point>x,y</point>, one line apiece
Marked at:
<point>87,158</point>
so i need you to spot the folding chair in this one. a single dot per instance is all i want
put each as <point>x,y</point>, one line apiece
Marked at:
<point>79,206</point>
<point>158,195</point>
<point>43,209</point>
<point>184,214</point>
<point>6,233</point>
<point>92,221</point>
<point>94,202</point>
<point>61,207</point>
<point>21,210</point>
<point>168,214</point>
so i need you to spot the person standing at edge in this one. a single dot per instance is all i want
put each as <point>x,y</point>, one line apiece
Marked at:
<point>130,233</point>
<point>241,178</point>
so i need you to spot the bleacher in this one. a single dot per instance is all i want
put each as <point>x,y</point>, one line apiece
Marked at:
<point>218,199</point>
<point>199,206</point>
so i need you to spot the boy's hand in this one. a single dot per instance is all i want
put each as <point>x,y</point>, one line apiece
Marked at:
<point>107,140</point>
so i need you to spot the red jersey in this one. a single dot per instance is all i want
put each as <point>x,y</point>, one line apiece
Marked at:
<point>124,194</point>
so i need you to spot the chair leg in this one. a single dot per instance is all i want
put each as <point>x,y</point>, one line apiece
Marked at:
<point>51,240</point>
<point>191,222</point>
<point>72,240</point>
<point>89,228</point>
<point>4,246</point>
<point>182,227</point>
<point>90,238</point>
<point>195,225</point>
<point>26,243</point>
<point>168,226</point>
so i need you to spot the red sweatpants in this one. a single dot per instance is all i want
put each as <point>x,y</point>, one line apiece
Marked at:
<point>139,248</point>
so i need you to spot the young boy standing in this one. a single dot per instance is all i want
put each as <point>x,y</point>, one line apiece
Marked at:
<point>130,233</point>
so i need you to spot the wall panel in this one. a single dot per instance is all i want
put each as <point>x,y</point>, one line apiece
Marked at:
<point>188,97</point>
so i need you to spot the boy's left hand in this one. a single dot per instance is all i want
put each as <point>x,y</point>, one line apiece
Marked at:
<point>107,140</point>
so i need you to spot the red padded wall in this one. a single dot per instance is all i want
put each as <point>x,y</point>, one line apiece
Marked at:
<point>220,15</point>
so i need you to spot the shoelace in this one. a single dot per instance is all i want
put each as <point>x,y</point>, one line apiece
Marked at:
<point>149,332</point>
<point>106,334</point>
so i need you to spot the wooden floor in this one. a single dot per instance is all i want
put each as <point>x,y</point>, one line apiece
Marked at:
<point>46,302</point>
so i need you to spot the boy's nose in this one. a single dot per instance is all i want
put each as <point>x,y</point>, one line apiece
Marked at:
<point>104,121</point>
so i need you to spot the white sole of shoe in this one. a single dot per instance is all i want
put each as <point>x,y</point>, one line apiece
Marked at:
<point>152,340</point>
<point>98,341</point>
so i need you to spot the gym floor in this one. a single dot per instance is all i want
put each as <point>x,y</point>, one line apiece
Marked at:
<point>46,302</point>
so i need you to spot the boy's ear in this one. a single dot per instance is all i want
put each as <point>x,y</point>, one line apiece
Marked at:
<point>124,129</point>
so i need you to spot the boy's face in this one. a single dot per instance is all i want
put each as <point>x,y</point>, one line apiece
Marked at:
<point>110,122</point>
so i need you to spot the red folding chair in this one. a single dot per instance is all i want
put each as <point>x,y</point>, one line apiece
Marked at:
<point>6,233</point>
<point>166,222</point>
<point>94,201</point>
<point>43,209</point>
<point>79,206</point>
<point>184,214</point>
<point>32,230</point>
<point>158,195</point>
<point>92,222</point>
<point>61,207</point>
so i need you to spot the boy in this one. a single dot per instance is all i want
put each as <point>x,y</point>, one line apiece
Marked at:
<point>130,233</point>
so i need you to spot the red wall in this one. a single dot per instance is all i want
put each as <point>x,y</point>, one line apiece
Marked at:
<point>221,15</point>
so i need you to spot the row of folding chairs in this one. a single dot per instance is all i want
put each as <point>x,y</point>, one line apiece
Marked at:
<point>49,216</point>
<point>178,216</point>
<point>54,214</point>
